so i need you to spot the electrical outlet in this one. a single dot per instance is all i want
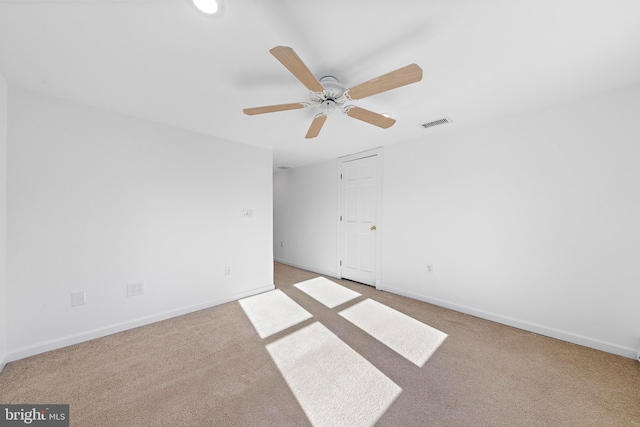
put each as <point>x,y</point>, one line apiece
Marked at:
<point>429,268</point>
<point>247,214</point>
<point>227,271</point>
<point>135,289</point>
<point>282,244</point>
<point>77,298</point>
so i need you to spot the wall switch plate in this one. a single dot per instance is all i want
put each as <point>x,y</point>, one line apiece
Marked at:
<point>78,298</point>
<point>134,289</point>
<point>282,244</point>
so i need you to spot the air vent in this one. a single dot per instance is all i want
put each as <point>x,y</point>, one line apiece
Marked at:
<point>436,123</point>
<point>284,168</point>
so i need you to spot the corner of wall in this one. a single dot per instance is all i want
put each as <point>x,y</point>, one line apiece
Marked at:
<point>304,210</point>
<point>3,219</point>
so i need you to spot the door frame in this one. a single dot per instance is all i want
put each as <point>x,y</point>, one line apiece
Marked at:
<point>378,191</point>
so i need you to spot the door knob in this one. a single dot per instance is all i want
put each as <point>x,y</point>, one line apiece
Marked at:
<point>373,228</point>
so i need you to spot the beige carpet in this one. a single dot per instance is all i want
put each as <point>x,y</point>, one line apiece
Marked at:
<point>272,312</point>
<point>334,385</point>
<point>408,337</point>
<point>211,368</point>
<point>327,292</point>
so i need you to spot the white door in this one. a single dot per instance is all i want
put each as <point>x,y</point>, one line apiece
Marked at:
<point>358,220</point>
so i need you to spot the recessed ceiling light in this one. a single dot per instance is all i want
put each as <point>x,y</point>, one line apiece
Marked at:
<point>209,7</point>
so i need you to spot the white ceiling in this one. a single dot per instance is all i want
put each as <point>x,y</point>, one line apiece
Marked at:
<point>161,60</point>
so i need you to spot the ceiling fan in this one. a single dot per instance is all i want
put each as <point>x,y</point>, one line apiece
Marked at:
<point>328,94</point>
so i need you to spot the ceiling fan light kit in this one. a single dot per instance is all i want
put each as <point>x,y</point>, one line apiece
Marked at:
<point>328,94</point>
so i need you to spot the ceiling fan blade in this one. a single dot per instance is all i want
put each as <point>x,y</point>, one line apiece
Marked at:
<point>294,64</point>
<point>316,125</point>
<point>370,117</point>
<point>400,77</point>
<point>272,108</point>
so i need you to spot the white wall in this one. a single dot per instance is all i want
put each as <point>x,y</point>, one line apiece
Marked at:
<point>3,218</point>
<point>305,213</point>
<point>530,220</point>
<point>97,200</point>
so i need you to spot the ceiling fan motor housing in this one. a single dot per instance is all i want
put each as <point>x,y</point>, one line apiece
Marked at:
<point>332,95</point>
<point>332,86</point>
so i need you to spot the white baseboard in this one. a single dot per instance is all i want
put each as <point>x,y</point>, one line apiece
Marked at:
<point>54,344</point>
<point>520,324</point>
<point>308,268</point>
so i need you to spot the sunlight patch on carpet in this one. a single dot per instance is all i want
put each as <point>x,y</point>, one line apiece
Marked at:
<point>272,312</point>
<point>334,385</point>
<point>405,335</point>
<point>326,292</point>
